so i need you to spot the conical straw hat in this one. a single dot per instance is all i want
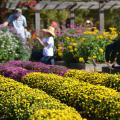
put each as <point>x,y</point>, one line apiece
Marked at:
<point>50,30</point>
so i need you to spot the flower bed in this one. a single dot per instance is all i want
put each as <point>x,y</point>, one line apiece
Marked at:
<point>39,67</point>
<point>11,47</point>
<point>86,47</point>
<point>13,72</point>
<point>19,102</point>
<point>95,102</point>
<point>104,79</point>
<point>17,69</point>
<point>89,99</point>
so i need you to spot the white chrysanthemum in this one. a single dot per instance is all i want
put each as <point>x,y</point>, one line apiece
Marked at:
<point>11,47</point>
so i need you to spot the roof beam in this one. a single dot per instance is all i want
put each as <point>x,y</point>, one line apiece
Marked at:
<point>45,6</point>
<point>40,5</point>
<point>116,7</point>
<point>65,5</point>
<point>12,4</point>
<point>56,6</point>
<point>72,6</point>
<point>77,5</point>
<point>90,6</point>
<point>51,5</point>
<point>111,4</point>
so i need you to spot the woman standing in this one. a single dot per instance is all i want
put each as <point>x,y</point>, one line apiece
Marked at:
<point>48,45</point>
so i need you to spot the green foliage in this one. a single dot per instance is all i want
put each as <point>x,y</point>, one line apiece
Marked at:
<point>112,18</point>
<point>54,15</point>
<point>62,15</point>
<point>11,47</point>
<point>47,18</point>
<point>90,46</point>
<point>81,16</point>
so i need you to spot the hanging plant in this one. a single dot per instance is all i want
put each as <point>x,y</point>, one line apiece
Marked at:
<point>28,4</point>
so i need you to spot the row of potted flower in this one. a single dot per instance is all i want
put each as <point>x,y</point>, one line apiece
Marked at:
<point>89,45</point>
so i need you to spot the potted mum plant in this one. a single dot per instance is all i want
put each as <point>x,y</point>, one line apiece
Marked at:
<point>84,48</point>
<point>71,55</point>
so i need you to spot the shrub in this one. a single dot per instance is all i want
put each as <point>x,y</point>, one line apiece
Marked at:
<point>13,72</point>
<point>95,102</point>
<point>59,70</point>
<point>29,65</point>
<point>108,80</point>
<point>39,67</point>
<point>11,47</point>
<point>24,67</point>
<point>19,102</point>
<point>90,45</point>
<point>47,114</point>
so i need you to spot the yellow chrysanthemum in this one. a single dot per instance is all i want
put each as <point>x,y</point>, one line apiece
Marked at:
<point>81,59</point>
<point>71,50</point>
<point>101,50</point>
<point>75,49</point>
<point>74,44</point>
<point>94,57</point>
<point>60,54</point>
<point>70,47</point>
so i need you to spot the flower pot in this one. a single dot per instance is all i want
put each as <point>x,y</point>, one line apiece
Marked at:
<point>76,65</point>
<point>60,63</point>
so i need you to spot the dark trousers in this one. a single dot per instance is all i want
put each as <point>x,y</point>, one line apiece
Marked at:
<point>36,55</point>
<point>48,60</point>
<point>112,51</point>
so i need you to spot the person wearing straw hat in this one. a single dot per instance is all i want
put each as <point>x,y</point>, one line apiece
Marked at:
<point>48,43</point>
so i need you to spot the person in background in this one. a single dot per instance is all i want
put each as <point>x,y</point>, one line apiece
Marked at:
<point>112,52</point>
<point>55,25</point>
<point>27,34</point>
<point>17,23</point>
<point>89,25</point>
<point>48,45</point>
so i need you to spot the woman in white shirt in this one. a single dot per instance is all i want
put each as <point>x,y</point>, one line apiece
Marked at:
<point>48,44</point>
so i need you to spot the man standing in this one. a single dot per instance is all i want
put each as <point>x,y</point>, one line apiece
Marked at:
<point>17,22</point>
